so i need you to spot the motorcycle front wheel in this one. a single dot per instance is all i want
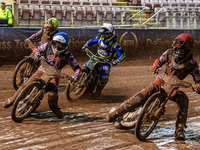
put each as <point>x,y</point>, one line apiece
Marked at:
<point>148,117</point>
<point>76,90</point>
<point>27,101</point>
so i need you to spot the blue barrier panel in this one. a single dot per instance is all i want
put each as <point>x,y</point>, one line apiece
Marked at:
<point>137,43</point>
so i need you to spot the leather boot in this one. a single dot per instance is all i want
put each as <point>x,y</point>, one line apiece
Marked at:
<point>129,105</point>
<point>179,133</point>
<point>112,115</point>
<point>8,103</point>
<point>53,104</point>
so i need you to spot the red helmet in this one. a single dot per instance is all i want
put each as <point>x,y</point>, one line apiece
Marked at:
<point>183,45</point>
<point>184,41</point>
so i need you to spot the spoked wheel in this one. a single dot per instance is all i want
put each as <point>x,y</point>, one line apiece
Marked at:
<point>23,71</point>
<point>149,116</point>
<point>27,101</point>
<point>77,89</point>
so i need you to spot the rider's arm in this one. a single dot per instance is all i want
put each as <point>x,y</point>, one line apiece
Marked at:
<point>40,49</point>
<point>196,76</point>
<point>35,35</point>
<point>160,61</point>
<point>74,65</point>
<point>120,53</point>
<point>92,42</point>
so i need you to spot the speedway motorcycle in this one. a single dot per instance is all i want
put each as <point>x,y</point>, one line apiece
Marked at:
<point>32,94</point>
<point>145,118</point>
<point>89,79</point>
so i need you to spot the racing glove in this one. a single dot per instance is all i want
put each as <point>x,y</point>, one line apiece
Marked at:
<point>155,66</point>
<point>27,41</point>
<point>84,47</point>
<point>74,78</point>
<point>77,74</point>
<point>38,54</point>
<point>197,86</point>
<point>114,63</point>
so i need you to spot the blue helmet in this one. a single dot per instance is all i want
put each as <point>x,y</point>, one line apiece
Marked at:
<point>61,37</point>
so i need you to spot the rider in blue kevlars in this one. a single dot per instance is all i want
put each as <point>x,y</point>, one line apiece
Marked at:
<point>107,48</point>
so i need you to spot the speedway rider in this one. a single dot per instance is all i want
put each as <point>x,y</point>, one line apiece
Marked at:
<point>47,32</point>
<point>180,63</point>
<point>57,55</point>
<point>107,48</point>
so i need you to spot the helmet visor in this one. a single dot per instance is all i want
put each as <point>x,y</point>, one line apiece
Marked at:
<point>106,35</point>
<point>179,44</point>
<point>58,46</point>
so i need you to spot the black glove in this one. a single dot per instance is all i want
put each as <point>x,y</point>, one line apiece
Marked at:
<point>84,48</point>
<point>38,54</point>
<point>114,63</point>
<point>73,78</point>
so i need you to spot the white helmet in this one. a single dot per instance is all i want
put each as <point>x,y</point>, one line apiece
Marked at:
<point>107,32</point>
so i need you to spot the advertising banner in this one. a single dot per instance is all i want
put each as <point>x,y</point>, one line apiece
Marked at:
<point>137,43</point>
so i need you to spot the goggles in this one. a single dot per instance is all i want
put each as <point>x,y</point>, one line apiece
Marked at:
<point>48,28</point>
<point>179,44</point>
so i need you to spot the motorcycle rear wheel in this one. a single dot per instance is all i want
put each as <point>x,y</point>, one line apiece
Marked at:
<point>27,101</point>
<point>147,120</point>
<point>23,71</point>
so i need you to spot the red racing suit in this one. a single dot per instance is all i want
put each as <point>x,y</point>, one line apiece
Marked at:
<point>181,70</point>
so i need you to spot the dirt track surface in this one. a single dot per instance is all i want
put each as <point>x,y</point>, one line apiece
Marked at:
<point>84,125</point>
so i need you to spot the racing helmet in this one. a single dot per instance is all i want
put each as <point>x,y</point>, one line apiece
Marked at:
<point>182,46</point>
<point>59,42</point>
<point>51,24</point>
<point>107,33</point>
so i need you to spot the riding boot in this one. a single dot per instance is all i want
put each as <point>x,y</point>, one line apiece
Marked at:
<point>10,101</point>
<point>137,100</point>
<point>53,104</point>
<point>179,133</point>
<point>182,101</point>
<point>98,91</point>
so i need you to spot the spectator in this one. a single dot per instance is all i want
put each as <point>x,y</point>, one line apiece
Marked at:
<point>6,17</point>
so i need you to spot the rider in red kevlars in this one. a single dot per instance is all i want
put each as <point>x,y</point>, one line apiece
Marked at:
<point>57,55</point>
<point>180,63</point>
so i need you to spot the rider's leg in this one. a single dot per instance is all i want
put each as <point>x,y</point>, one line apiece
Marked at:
<point>99,88</point>
<point>9,102</point>
<point>137,100</point>
<point>104,71</point>
<point>182,101</point>
<point>52,97</point>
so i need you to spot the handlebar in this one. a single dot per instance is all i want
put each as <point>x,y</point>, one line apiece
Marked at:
<point>51,70</point>
<point>93,56</point>
<point>183,84</point>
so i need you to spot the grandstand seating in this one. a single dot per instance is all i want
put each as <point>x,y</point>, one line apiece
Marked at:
<point>92,12</point>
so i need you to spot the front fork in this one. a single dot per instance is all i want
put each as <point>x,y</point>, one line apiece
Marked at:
<point>161,110</point>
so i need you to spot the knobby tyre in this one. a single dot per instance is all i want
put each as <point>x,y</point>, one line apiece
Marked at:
<point>27,101</point>
<point>23,71</point>
<point>147,119</point>
<point>77,89</point>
